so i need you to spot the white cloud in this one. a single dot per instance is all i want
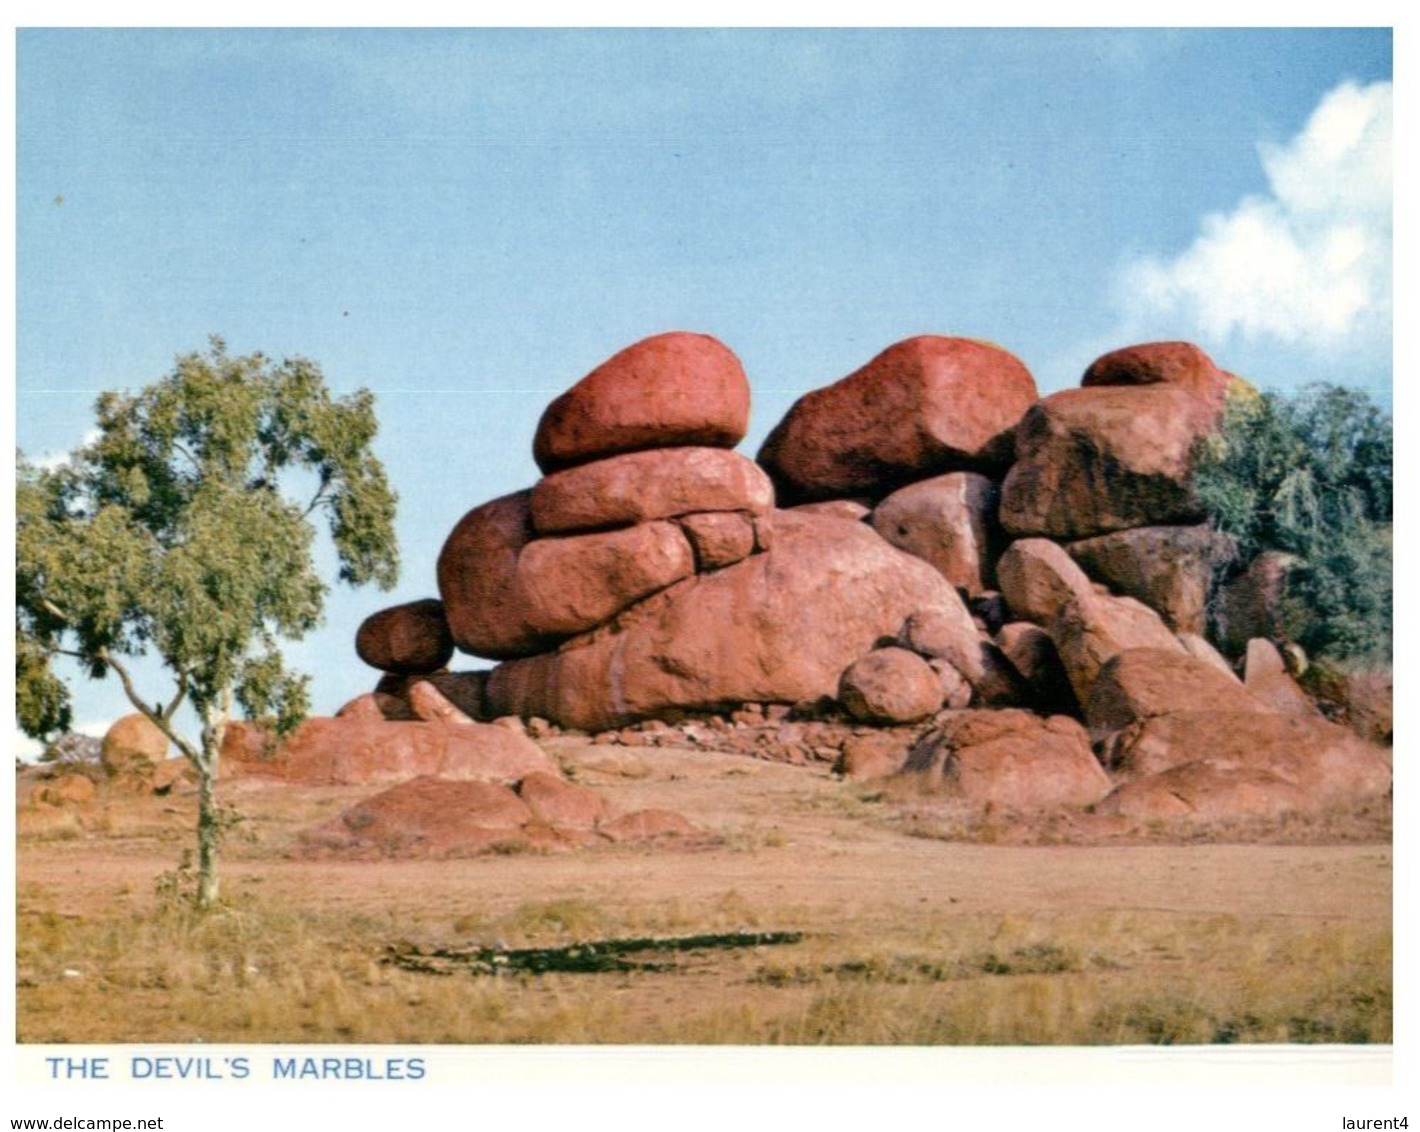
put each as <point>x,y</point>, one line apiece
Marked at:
<point>51,460</point>
<point>1309,263</point>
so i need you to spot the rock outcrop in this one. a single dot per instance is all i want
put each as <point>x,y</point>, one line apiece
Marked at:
<point>921,537</point>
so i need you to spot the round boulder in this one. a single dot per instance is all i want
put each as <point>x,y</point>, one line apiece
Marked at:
<point>890,685</point>
<point>410,639</point>
<point>924,405</point>
<point>666,391</point>
<point>134,745</point>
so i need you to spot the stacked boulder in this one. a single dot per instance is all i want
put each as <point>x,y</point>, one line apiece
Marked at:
<point>945,544</point>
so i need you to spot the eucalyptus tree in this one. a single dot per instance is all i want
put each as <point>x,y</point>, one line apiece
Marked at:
<point>186,531</point>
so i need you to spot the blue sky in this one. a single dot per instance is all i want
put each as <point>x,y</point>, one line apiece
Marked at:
<point>466,222</point>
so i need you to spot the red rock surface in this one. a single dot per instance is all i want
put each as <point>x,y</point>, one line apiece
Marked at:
<point>948,521</point>
<point>1169,569</point>
<point>669,390</point>
<point>1266,677</point>
<point>1037,577</point>
<point>1167,363</point>
<point>778,627</point>
<point>559,803</point>
<point>1141,683</point>
<point>412,638</point>
<point>719,538</point>
<point>571,584</point>
<point>648,825</point>
<point>1089,632</point>
<point>477,571</point>
<point>1324,760</point>
<point>890,685</point>
<point>1206,792</point>
<point>924,405</point>
<point>945,631</point>
<point>1013,760</point>
<point>427,817</point>
<point>353,751</point>
<point>1104,459</point>
<point>637,487</point>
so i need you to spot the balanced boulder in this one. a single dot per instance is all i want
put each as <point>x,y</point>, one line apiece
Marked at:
<point>925,405</point>
<point>1161,363</point>
<point>565,586</point>
<point>412,638</point>
<point>665,391</point>
<point>477,571</point>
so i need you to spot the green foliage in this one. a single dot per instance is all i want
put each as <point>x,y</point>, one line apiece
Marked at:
<point>1311,476</point>
<point>170,534</point>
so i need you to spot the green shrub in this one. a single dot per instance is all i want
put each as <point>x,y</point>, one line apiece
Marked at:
<point>1311,476</point>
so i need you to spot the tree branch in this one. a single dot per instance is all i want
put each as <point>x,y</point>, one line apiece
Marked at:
<point>162,722</point>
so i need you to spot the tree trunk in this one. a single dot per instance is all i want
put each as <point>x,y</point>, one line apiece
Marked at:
<point>209,819</point>
<point>209,833</point>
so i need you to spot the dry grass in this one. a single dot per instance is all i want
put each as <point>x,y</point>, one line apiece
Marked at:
<point>260,974</point>
<point>916,929</point>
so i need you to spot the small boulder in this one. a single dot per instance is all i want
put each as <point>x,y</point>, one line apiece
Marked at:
<point>133,746</point>
<point>412,638</point>
<point>1012,759</point>
<point>669,390</point>
<point>879,754</point>
<point>430,704</point>
<point>648,825</point>
<point>924,405</point>
<point>559,803</point>
<point>947,521</point>
<point>890,685</point>
<point>1037,577</point>
<point>1161,363</point>
<point>65,790</point>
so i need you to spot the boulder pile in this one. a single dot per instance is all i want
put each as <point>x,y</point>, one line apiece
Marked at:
<point>925,542</point>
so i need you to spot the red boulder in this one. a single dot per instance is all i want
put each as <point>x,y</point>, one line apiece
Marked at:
<point>925,405</point>
<point>640,486</point>
<point>665,391</point>
<point>412,638</point>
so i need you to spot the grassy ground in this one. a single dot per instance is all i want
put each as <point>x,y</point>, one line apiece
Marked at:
<point>252,972</point>
<point>909,935</point>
